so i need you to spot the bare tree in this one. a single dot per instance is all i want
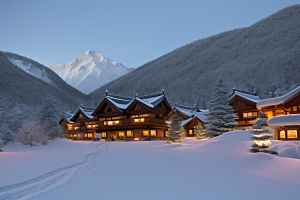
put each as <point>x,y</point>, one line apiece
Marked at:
<point>31,132</point>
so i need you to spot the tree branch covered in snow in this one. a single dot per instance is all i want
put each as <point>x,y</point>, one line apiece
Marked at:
<point>31,132</point>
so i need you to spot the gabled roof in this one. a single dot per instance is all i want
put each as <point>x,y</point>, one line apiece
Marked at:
<point>185,110</point>
<point>199,115</point>
<point>87,112</point>
<point>66,117</point>
<point>251,96</point>
<point>122,103</point>
<point>279,100</point>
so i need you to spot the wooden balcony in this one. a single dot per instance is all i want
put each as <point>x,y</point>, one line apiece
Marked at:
<point>126,122</point>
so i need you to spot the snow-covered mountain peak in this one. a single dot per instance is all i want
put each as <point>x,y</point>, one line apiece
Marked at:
<point>90,71</point>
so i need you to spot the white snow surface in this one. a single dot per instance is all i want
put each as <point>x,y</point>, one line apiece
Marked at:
<point>31,69</point>
<point>89,71</point>
<point>285,120</point>
<point>217,168</point>
<point>289,149</point>
<point>249,97</point>
<point>278,100</point>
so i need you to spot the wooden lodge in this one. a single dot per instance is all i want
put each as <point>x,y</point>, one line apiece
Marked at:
<point>244,106</point>
<point>121,118</point>
<point>286,109</point>
<point>191,116</point>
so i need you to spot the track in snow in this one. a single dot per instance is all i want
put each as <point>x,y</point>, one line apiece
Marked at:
<point>45,183</point>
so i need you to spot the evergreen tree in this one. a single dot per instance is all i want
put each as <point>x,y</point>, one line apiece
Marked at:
<point>221,116</point>
<point>261,136</point>
<point>1,145</point>
<point>200,131</point>
<point>177,132</point>
<point>48,118</point>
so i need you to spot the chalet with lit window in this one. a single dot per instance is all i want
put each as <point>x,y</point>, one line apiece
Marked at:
<point>244,106</point>
<point>284,114</point>
<point>284,105</point>
<point>287,127</point>
<point>191,116</point>
<point>122,118</point>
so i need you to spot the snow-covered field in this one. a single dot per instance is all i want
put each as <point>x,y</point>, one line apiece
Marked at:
<point>218,168</point>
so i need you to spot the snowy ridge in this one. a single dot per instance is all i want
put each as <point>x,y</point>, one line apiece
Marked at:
<point>31,69</point>
<point>89,71</point>
<point>278,100</point>
<point>285,120</point>
<point>48,182</point>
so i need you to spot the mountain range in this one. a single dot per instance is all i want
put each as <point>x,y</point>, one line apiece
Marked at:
<point>89,71</point>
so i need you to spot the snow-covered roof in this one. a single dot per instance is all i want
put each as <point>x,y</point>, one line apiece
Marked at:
<point>202,115</point>
<point>285,120</point>
<point>86,111</point>
<point>251,96</point>
<point>187,121</point>
<point>123,103</point>
<point>278,100</point>
<point>186,110</point>
<point>67,116</point>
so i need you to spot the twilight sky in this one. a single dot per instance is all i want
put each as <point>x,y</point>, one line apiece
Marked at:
<point>132,32</point>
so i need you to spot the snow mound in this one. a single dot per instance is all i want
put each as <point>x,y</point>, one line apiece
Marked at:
<point>285,120</point>
<point>287,149</point>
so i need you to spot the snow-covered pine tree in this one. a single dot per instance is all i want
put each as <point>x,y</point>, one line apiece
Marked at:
<point>48,118</point>
<point>177,132</point>
<point>221,116</point>
<point>200,131</point>
<point>261,136</point>
<point>31,132</point>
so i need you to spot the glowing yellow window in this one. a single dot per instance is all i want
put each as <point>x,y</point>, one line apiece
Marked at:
<point>245,114</point>
<point>103,134</point>
<point>117,122</point>
<point>90,135</point>
<point>88,126</point>
<point>76,127</point>
<point>129,133</point>
<point>292,133</point>
<point>142,119</point>
<point>145,133</point>
<point>282,134</point>
<point>153,133</point>
<point>190,132</point>
<point>75,135</point>
<point>121,133</point>
<point>295,108</point>
<point>249,114</point>
<point>85,135</point>
<point>110,123</point>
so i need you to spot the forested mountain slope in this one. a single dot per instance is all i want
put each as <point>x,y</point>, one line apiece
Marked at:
<point>23,93</point>
<point>264,57</point>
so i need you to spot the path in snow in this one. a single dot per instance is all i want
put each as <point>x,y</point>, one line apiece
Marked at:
<point>45,183</point>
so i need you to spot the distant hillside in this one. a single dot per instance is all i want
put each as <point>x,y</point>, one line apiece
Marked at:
<point>90,71</point>
<point>264,57</point>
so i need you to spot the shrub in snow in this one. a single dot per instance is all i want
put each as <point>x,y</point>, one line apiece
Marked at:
<point>31,132</point>
<point>48,118</point>
<point>261,136</point>
<point>177,132</point>
<point>221,117</point>
<point>200,130</point>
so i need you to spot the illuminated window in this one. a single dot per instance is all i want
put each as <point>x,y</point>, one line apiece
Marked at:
<point>129,133</point>
<point>139,120</point>
<point>153,133</point>
<point>145,133</point>
<point>295,108</point>
<point>94,125</point>
<point>282,134</point>
<point>166,133</point>
<point>75,135</point>
<point>190,132</point>
<point>76,127</point>
<point>292,133</point>
<point>117,122</point>
<point>121,134</point>
<point>245,114</point>
<point>90,135</point>
<point>88,126</point>
<point>134,116</point>
<point>110,123</point>
<point>249,114</point>
<point>144,115</point>
<point>85,135</point>
<point>103,134</point>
